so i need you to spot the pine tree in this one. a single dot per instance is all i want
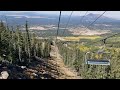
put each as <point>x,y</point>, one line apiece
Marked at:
<point>28,41</point>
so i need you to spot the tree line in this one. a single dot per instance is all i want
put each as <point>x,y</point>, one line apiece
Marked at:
<point>21,47</point>
<point>74,56</point>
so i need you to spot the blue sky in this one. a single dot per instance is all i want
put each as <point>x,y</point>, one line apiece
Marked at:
<point>112,14</point>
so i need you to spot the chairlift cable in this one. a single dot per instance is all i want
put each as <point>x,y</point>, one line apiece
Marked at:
<point>58,25</point>
<point>67,23</point>
<point>104,39</point>
<point>94,62</point>
<point>95,20</point>
<point>70,18</point>
<point>83,16</point>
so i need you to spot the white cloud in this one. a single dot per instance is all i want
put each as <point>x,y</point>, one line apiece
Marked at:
<point>112,14</point>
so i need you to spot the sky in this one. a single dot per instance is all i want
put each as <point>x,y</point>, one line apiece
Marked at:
<point>112,14</point>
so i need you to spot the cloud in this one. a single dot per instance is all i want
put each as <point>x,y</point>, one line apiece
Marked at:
<point>21,16</point>
<point>112,14</point>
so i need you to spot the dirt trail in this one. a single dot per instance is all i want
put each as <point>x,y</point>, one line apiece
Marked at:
<point>41,68</point>
<point>65,72</point>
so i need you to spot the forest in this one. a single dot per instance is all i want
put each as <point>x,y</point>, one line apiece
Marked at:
<point>73,54</point>
<point>39,54</point>
<point>21,48</point>
<point>17,46</point>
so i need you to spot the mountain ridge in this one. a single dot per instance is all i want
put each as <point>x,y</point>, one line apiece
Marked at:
<point>37,18</point>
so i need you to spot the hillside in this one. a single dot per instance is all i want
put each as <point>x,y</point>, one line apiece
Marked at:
<point>65,72</point>
<point>41,68</point>
<point>38,46</point>
<point>84,31</point>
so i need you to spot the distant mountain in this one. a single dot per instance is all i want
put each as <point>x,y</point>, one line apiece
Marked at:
<point>32,17</point>
<point>14,18</point>
<point>92,17</point>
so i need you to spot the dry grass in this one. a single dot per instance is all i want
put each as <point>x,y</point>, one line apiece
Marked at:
<point>80,37</point>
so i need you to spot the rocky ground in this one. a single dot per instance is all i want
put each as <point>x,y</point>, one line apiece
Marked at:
<point>39,68</point>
